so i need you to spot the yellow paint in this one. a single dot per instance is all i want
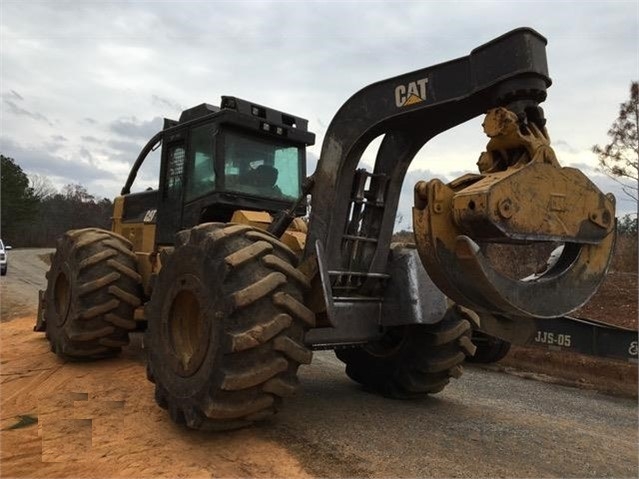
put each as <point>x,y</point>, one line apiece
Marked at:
<point>140,234</point>
<point>413,99</point>
<point>116,219</point>
<point>257,219</point>
<point>295,240</point>
<point>294,237</point>
<point>300,225</point>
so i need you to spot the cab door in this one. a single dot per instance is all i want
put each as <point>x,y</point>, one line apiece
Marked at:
<point>169,220</point>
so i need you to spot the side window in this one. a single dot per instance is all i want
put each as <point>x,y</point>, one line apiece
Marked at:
<point>287,164</point>
<point>202,171</point>
<point>175,170</point>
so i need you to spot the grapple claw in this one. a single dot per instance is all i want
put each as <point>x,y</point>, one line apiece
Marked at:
<point>557,292</point>
<point>515,202</point>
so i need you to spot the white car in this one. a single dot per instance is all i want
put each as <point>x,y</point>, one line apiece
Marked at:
<point>3,258</point>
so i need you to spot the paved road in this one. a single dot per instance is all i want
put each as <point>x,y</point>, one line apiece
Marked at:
<point>486,424</point>
<point>25,276</point>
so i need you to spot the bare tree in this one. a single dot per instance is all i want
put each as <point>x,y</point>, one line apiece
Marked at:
<point>619,159</point>
<point>41,186</point>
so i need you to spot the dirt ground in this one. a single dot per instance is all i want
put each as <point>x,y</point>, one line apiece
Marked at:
<point>615,302</point>
<point>99,419</point>
<point>89,425</point>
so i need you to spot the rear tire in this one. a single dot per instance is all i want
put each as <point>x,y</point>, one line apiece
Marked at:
<point>93,288</point>
<point>226,324</point>
<point>489,348</point>
<point>411,361</point>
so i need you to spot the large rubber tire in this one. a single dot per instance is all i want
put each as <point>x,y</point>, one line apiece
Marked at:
<point>489,348</point>
<point>411,361</point>
<point>226,324</point>
<point>93,288</point>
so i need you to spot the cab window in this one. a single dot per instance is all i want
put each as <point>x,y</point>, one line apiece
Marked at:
<point>261,167</point>
<point>175,168</point>
<point>201,167</point>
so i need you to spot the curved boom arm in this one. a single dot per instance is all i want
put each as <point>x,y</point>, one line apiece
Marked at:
<point>409,110</point>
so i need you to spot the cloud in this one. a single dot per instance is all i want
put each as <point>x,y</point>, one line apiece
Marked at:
<point>16,110</point>
<point>127,147</point>
<point>133,128</point>
<point>86,154</point>
<point>40,160</point>
<point>562,145</point>
<point>165,102</point>
<point>311,162</point>
<point>87,64</point>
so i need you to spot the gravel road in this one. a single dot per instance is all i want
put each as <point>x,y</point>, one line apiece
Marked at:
<point>486,424</point>
<point>25,277</point>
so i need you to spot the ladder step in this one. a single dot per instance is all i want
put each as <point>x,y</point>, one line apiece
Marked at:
<point>360,238</point>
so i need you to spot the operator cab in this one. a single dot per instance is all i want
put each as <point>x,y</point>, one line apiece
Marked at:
<point>248,165</point>
<point>215,161</point>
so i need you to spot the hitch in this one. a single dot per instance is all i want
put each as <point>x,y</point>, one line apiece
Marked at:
<point>522,195</point>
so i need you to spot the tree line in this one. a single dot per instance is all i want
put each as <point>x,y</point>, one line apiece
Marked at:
<point>33,213</point>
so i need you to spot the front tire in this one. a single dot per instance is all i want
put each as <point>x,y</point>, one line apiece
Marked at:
<point>93,288</point>
<point>411,361</point>
<point>226,325</point>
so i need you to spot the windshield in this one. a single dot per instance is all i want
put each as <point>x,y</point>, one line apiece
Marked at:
<point>261,167</point>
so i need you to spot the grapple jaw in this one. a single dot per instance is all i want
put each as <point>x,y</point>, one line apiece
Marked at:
<point>521,196</point>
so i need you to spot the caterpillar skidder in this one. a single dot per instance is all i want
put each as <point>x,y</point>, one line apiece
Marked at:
<point>235,289</point>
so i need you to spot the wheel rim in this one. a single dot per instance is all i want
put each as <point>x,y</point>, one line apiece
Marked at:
<point>187,332</point>
<point>62,297</point>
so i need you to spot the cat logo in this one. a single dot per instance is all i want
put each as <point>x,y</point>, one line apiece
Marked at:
<point>414,92</point>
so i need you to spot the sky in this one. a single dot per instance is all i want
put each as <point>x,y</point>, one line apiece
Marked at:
<point>84,85</point>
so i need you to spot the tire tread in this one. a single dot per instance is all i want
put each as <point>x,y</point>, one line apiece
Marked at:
<point>104,284</point>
